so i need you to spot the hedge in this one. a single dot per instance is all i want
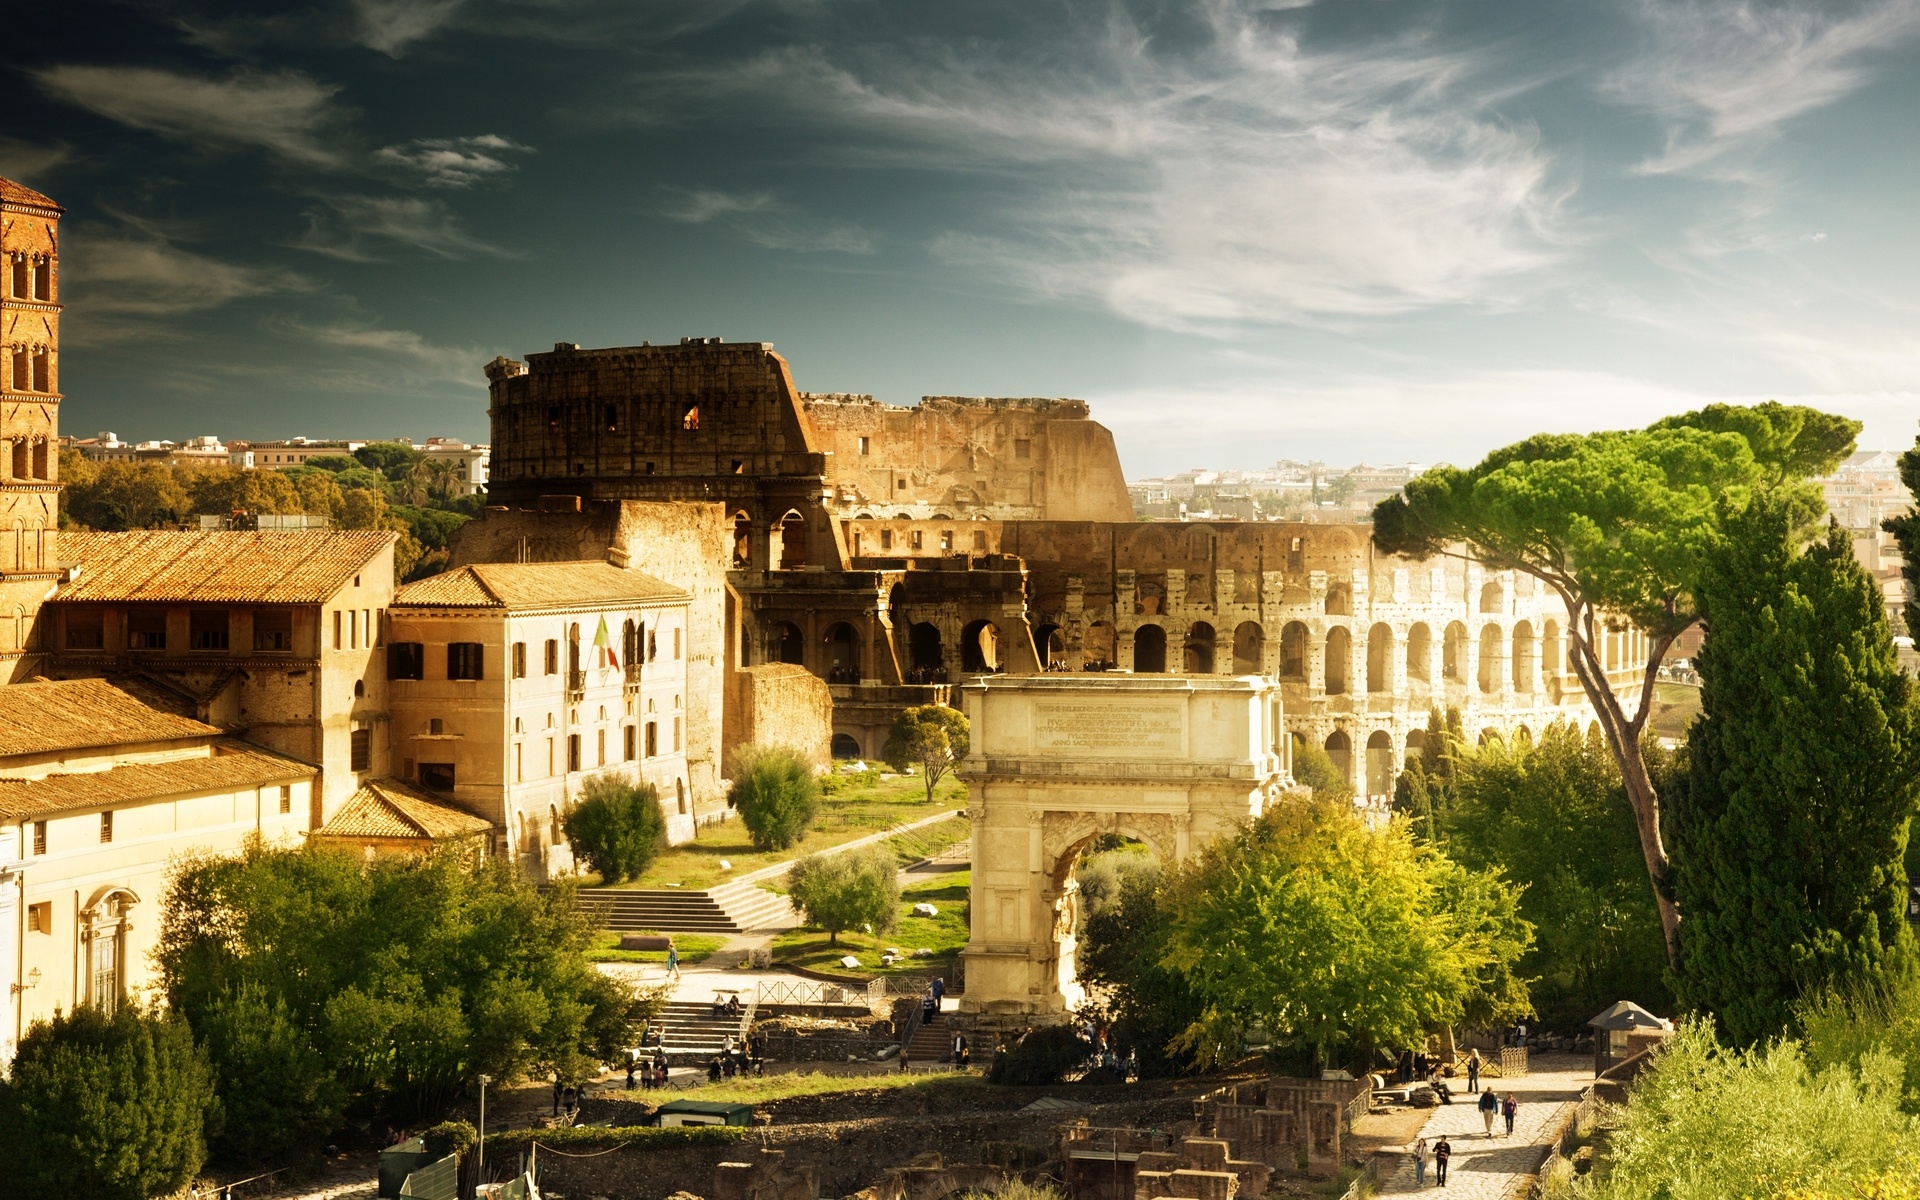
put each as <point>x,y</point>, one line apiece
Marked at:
<point>632,1137</point>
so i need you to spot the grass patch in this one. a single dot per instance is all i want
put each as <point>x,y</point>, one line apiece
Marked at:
<point>1675,705</point>
<point>929,840</point>
<point>694,947</point>
<point>632,1137</point>
<point>945,935</point>
<point>854,809</point>
<point>810,1083</point>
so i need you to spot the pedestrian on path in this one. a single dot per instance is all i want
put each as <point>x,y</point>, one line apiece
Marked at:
<point>1509,1109</point>
<point>1473,1070</point>
<point>1489,1105</point>
<point>1420,1163</point>
<point>1442,1153</point>
<point>673,962</point>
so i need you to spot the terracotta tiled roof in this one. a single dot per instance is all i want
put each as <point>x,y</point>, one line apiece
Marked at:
<point>74,714</point>
<point>388,808</point>
<point>15,193</point>
<point>536,585</point>
<point>234,765</point>
<point>294,567</point>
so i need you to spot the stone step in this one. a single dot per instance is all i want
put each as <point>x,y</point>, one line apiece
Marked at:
<point>931,1041</point>
<point>729,908</point>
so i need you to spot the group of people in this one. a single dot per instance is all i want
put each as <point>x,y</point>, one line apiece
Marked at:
<point>1441,1152</point>
<point>738,1058</point>
<point>649,1067</point>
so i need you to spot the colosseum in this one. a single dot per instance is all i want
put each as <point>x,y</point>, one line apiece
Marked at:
<point>895,551</point>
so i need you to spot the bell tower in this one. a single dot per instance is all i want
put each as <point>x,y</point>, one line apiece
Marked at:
<point>29,420</point>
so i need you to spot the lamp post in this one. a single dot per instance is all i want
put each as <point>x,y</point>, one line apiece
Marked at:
<point>480,1156</point>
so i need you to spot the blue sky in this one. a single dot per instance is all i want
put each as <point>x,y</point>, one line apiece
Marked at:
<point>1362,229</point>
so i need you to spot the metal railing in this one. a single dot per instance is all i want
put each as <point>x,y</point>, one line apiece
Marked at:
<point>807,992</point>
<point>576,683</point>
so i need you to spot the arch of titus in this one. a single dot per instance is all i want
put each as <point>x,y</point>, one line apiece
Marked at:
<point>1055,761</point>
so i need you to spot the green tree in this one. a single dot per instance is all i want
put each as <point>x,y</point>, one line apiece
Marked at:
<point>776,792</point>
<point>1791,828</point>
<point>218,491</point>
<point>1905,529</point>
<point>617,827</point>
<point>1424,789</point>
<point>1615,524</point>
<point>1552,815</point>
<point>108,1106</point>
<point>932,737</point>
<point>392,459</point>
<point>280,1100</point>
<point>1315,768</point>
<point>837,892</point>
<point>1120,956</point>
<point>118,496</point>
<point>334,463</point>
<point>1337,936</point>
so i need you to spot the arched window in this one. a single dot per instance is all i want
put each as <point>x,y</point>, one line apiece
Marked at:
<point>1340,750</point>
<point>1493,598</point>
<point>1149,650</point>
<point>1052,646</point>
<point>690,418</point>
<point>1293,651</point>
<point>1523,657</point>
<point>742,540</point>
<point>1339,600</point>
<point>1419,651</point>
<point>1249,648</point>
<point>1379,763</point>
<point>1339,659</point>
<point>926,654</point>
<point>845,745</point>
<point>980,648</point>
<point>1199,655</point>
<point>789,646</point>
<point>1380,658</point>
<point>1453,653</point>
<point>791,533</point>
<point>1490,642</point>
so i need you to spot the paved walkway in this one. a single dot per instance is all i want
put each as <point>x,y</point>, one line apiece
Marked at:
<point>1496,1168</point>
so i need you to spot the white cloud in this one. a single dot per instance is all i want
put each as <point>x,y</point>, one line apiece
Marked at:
<point>1728,74</point>
<point>142,273</point>
<point>284,112</point>
<point>390,26</point>
<point>418,359</point>
<point>351,228</point>
<point>1249,180</point>
<point>765,221</point>
<point>453,162</point>
<point>30,162</point>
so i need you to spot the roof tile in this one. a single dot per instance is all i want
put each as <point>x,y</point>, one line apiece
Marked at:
<point>536,585</point>
<point>18,193</point>
<point>75,714</point>
<point>233,765</point>
<point>292,567</point>
<point>388,808</point>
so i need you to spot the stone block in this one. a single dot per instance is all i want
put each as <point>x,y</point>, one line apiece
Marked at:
<point>1203,1185</point>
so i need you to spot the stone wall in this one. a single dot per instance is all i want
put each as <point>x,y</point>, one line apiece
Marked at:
<point>778,704</point>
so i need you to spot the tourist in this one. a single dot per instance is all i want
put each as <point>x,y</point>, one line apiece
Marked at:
<point>1442,1151</point>
<point>1489,1105</point>
<point>1510,1108</point>
<point>1420,1163</point>
<point>1404,1073</point>
<point>713,1069</point>
<point>939,990</point>
<point>1473,1070</point>
<point>959,1049</point>
<point>631,1068</point>
<point>559,1093</point>
<point>673,961</point>
<point>1520,1035</point>
<point>1439,1088</point>
<point>903,1058</point>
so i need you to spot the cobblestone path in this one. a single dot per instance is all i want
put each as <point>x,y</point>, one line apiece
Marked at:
<point>1495,1168</point>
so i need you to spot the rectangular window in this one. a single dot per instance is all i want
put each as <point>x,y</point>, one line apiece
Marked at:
<point>628,737</point>
<point>466,660</point>
<point>864,445</point>
<point>916,539</point>
<point>366,619</point>
<point>573,752</point>
<point>676,643</point>
<point>286,798</point>
<point>519,660</point>
<point>676,735</point>
<point>336,629</point>
<point>39,837</point>
<point>20,375</point>
<point>43,280</point>
<point>946,540</point>
<point>519,773</point>
<point>208,628</point>
<point>549,756</point>
<point>40,917</point>
<point>360,750</point>
<point>106,826</point>
<point>42,376</point>
<point>147,629</point>
<point>553,656</point>
<point>653,739</point>
<point>1022,448</point>
<point>20,276</point>
<point>86,629</point>
<point>436,777</point>
<point>353,630</point>
<point>979,539</point>
<point>406,660</point>
<point>272,630</point>
<point>886,539</point>
<point>600,736</point>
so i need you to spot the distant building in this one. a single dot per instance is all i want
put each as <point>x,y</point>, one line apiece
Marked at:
<point>470,462</point>
<point>278,456</point>
<point>99,792</point>
<point>513,683</point>
<point>205,451</point>
<point>1863,492</point>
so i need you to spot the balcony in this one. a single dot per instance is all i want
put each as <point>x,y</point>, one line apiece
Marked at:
<point>630,683</point>
<point>576,684</point>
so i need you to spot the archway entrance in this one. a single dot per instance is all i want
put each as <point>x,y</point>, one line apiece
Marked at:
<point>787,644</point>
<point>1097,872</point>
<point>925,654</point>
<point>980,648</point>
<point>1149,650</point>
<point>843,653</point>
<point>845,745</point>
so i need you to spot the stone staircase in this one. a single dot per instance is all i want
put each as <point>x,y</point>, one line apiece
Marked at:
<point>931,1041</point>
<point>729,908</point>
<point>693,1035</point>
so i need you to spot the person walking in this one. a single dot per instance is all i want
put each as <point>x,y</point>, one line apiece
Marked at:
<point>1473,1069</point>
<point>1510,1108</point>
<point>673,962</point>
<point>1442,1154</point>
<point>1420,1163</point>
<point>1489,1105</point>
<point>903,1058</point>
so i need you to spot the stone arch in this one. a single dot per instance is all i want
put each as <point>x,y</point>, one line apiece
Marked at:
<point>1493,597</point>
<point>925,654</point>
<point>1339,599</point>
<point>1249,648</point>
<point>1063,836</point>
<point>1552,660</point>
<point>1490,735</point>
<point>1380,658</point>
<point>1416,742</point>
<point>1523,657</point>
<point>843,653</point>
<point>1339,659</point>
<point>1149,650</point>
<point>787,644</point>
<point>1379,763</point>
<point>845,745</point>
<point>1200,544</point>
<point>1293,650</point>
<point>1522,736</point>
<point>1453,653</point>
<point>103,927</point>
<point>1052,645</point>
<point>742,540</point>
<point>980,648</point>
<point>1198,659</point>
<point>1419,651</point>
<point>1490,641</point>
<point>790,537</point>
<point>1339,748</point>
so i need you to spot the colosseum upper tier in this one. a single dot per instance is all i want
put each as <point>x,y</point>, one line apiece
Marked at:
<point>894,551</point>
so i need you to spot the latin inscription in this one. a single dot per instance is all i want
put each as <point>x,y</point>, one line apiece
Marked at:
<point>1128,729</point>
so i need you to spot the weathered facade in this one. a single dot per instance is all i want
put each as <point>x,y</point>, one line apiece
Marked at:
<point>29,418</point>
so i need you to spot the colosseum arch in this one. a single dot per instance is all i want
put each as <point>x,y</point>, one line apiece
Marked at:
<point>1149,650</point>
<point>980,648</point>
<point>1198,658</point>
<point>1493,598</point>
<point>1339,748</point>
<point>1293,650</point>
<point>1523,657</point>
<point>1380,658</point>
<point>1419,651</point>
<point>785,643</point>
<point>1490,641</point>
<point>1379,763</point>
<point>1249,649</point>
<point>1339,660</point>
<point>1453,653</point>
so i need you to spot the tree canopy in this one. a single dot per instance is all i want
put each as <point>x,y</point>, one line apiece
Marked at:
<point>838,892</point>
<point>616,827</point>
<point>776,792</point>
<point>932,737</point>
<point>1616,524</point>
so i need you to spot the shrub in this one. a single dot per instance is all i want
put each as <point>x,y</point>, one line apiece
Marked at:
<point>932,737</point>
<point>616,827</point>
<point>1042,1057</point>
<point>1315,768</point>
<point>450,1137</point>
<point>776,792</point>
<point>630,1137</point>
<point>844,891</point>
<point>108,1107</point>
<point>280,1100</point>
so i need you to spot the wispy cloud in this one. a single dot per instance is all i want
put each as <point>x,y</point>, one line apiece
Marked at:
<point>765,221</point>
<point>453,162</point>
<point>31,162</point>
<point>354,228</point>
<point>390,26</point>
<point>1726,75</point>
<point>136,281</point>
<point>1243,178</point>
<point>285,112</point>
<point>416,356</point>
